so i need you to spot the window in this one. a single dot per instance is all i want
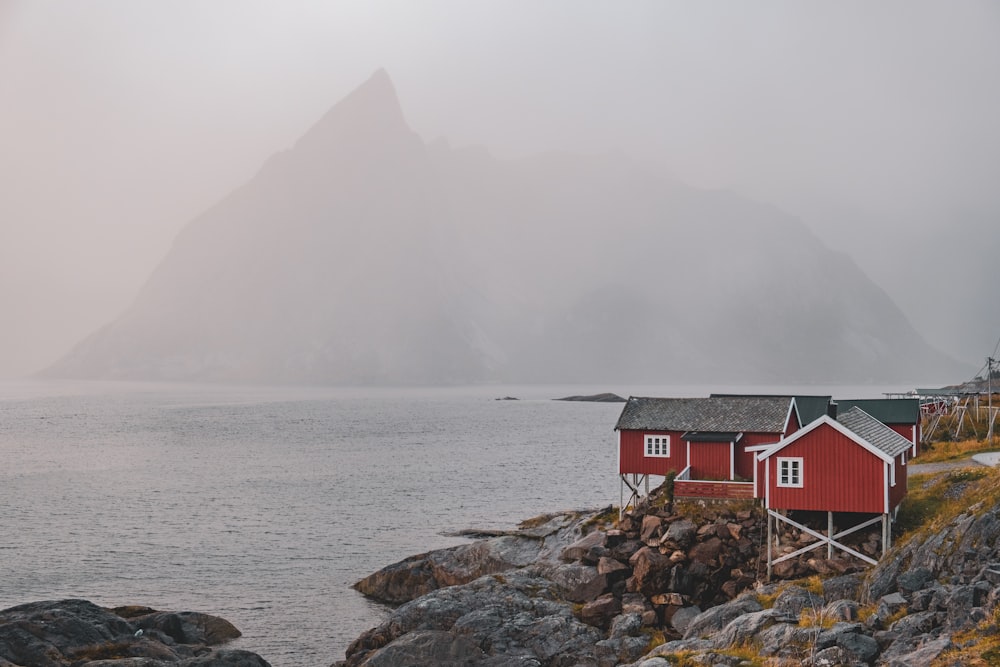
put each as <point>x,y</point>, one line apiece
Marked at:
<point>790,472</point>
<point>657,445</point>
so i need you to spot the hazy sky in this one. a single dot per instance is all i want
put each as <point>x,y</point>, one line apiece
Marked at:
<point>121,120</point>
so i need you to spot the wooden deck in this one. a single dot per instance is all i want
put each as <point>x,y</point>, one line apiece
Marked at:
<point>706,489</point>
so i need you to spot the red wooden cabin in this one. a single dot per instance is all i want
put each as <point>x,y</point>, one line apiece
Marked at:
<point>703,441</point>
<point>852,464</point>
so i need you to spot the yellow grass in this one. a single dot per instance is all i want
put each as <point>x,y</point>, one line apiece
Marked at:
<point>938,452</point>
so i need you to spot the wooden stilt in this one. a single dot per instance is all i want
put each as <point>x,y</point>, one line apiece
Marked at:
<point>770,523</point>
<point>885,534</point>
<point>829,534</point>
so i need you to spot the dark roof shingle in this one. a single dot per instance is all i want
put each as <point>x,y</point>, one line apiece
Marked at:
<point>764,414</point>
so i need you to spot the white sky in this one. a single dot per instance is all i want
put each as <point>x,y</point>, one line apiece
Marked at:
<point>121,120</point>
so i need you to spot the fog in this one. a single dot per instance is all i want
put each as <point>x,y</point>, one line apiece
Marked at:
<point>120,121</point>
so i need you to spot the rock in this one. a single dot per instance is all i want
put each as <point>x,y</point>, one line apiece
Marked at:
<point>650,572</point>
<point>578,550</point>
<point>610,566</point>
<point>680,533</point>
<point>744,628</point>
<point>860,648</point>
<point>427,648</point>
<point>792,601</point>
<point>599,612</point>
<point>188,627</point>
<point>844,587</point>
<point>650,529</point>
<point>913,580</point>
<point>841,610</point>
<point>713,620</point>
<point>888,605</point>
<point>917,655</point>
<point>516,615</point>
<point>682,618</point>
<point>706,552</point>
<point>544,538</point>
<point>625,625</point>
<point>65,632</point>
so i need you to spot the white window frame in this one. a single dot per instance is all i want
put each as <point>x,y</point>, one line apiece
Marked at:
<point>793,462</point>
<point>657,446</point>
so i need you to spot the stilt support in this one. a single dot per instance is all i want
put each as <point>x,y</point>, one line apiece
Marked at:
<point>636,482</point>
<point>830,539</point>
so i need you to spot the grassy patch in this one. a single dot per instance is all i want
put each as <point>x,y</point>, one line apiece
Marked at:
<point>933,499</point>
<point>979,647</point>
<point>941,451</point>
<point>606,519</point>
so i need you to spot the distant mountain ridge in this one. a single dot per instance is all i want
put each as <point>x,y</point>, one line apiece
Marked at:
<point>363,255</point>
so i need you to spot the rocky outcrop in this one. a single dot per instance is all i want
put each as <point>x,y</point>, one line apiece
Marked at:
<point>82,634</point>
<point>665,585</point>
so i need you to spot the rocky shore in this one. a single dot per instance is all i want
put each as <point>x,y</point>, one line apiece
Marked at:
<point>78,633</point>
<point>667,586</point>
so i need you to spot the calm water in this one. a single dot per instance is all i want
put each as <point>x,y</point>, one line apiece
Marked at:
<point>264,505</point>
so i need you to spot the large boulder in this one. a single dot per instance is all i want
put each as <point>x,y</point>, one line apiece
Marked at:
<point>516,615</point>
<point>75,632</point>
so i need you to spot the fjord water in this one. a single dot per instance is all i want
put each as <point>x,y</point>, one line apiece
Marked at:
<point>263,505</point>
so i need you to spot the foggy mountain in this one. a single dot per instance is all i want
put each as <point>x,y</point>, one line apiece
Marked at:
<point>364,255</point>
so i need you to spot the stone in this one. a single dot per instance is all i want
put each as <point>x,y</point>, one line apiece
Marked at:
<point>792,601</point>
<point>888,605</point>
<point>606,565</point>
<point>706,552</point>
<point>681,533</point>
<point>842,610</point>
<point>650,529</point>
<point>598,613</point>
<point>714,619</point>
<point>650,572</point>
<point>427,648</point>
<point>913,580</point>
<point>841,588</point>
<point>578,550</point>
<point>682,618</point>
<point>625,625</point>
<point>65,632</point>
<point>744,628</point>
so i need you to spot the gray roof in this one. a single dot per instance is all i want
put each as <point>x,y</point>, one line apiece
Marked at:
<point>757,414</point>
<point>872,430</point>
<point>810,408</point>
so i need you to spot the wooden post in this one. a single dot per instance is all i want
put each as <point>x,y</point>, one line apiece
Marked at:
<point>885,534</point>
<point>829,534</point>
<point>770,519</point>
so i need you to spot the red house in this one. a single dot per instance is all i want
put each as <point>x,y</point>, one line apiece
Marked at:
<point>708,443</point>
<point>854,464</point>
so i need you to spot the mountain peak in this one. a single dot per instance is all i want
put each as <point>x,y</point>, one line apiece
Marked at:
<point>372,109</point>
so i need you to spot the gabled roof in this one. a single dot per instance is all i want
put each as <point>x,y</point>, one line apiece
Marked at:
<point>874,431</point>
<point>811,408</point>
<point>860,427</point>
<point>886,410</point>
<point>808,408</point>
<point>760,414</point>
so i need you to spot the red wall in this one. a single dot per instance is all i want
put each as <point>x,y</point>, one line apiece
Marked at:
<point>632,456</point>
<point>907,431</point>
<point>744,459</point>
<point>709,460</point>
<point>838,475</point>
